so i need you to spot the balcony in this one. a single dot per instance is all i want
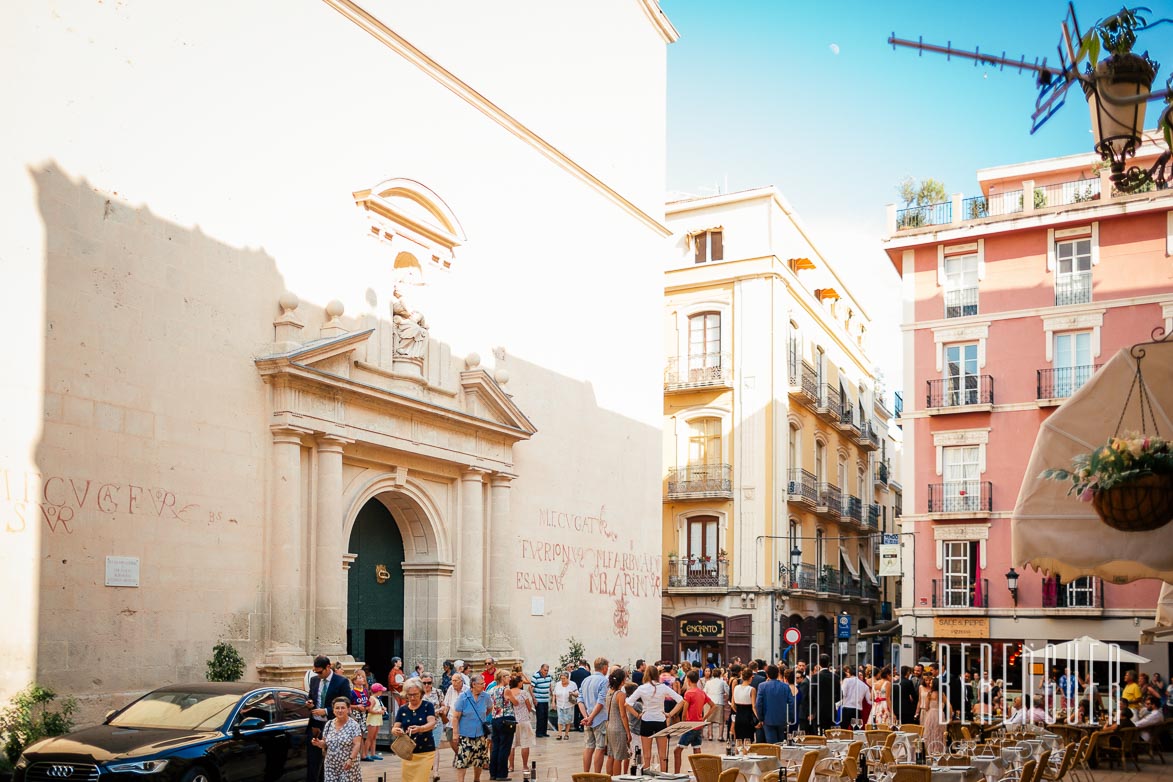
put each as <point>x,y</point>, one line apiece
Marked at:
<point>961,302</point>
<point>1086,592</point>
<point>705,370</point>
<point>1056,384</point>
<point>873,519</point>
<point>962,498</point>
<point>846,422</point>
<point>850,586</point>
<point>694,572</point>
<point>960,592</point>
<point>872,591</point>
<point>882,472</point>
<point>960,394</point>
<point>700,481</point>
<point>803,579</point>
<point>1073,289</point>
<point>959,210</point>
<point>802,487</point>
<point>866,436</point>
<point>830,404</point>
<point>853,509</point>
<point>921,216</point>
<point>828,581</point>
<point>804,383</point>
<point>829,502</point>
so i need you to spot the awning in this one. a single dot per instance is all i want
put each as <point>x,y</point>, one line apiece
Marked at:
<point>847,562</point>
<point>1056,532</point>
<point>867,568</point>
<point>826,293</point>
<point>1091,649</point>
<point>698,231</point>
<point>798,264</point>
<point>1163,629</point>
<point>882,629</point>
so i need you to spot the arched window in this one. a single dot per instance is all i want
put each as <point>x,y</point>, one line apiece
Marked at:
<point>704,342</point>
<point>820,461</point>
<point>795,453</point>
<point>702,542</point>
<point>704,441</point>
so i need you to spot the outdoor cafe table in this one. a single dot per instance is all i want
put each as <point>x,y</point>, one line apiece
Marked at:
<point>990,766</point>
<point>754,767</point>
<point>956,774</point>
<point>795,753</point>
<point>903,749</point>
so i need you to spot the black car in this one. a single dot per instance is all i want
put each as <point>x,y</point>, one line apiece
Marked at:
<point>206,732</point>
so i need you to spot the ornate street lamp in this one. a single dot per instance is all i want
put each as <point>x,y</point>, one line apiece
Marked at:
<point>1012,584</point>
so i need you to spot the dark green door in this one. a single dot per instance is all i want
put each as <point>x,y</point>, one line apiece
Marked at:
<point>374,611</point>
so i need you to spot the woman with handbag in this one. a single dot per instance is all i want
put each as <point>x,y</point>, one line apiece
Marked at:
<point>503,700</point>
<point>470,721</point>
<point>415,721</point>
<point>340,742</point>
<point>565,699</point>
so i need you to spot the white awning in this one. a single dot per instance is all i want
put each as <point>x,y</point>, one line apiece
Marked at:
<point>867,568</point>
<point>847,562</point>
<point>1164,626</point>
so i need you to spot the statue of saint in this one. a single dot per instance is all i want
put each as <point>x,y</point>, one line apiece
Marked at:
<point>411,329</point>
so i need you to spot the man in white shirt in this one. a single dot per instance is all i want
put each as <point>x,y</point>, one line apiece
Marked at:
<point>1029,714</point>
<point>855,692</point>
<point>1152,717</point>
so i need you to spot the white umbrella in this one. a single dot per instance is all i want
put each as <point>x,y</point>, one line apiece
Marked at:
<point>1060,534</point>
<point>1088,649</point>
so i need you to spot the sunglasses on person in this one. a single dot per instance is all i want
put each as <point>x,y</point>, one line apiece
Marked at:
<point>428,682</point>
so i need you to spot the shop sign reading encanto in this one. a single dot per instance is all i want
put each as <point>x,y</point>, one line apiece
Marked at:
<point>702,628</point>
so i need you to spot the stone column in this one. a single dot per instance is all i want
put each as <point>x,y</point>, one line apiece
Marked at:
<point>471,564</point>
<point>286,582</point>
<point>500,559</point>
<point>329,575</point>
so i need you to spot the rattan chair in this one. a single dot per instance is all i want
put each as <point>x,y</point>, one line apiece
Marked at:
<point>820,741</point>
<point>1053,772</point>
<point>874,737</point>
<point>584,776</point>
<point>705,767</point>
<point>771,750</point>
<point>906,772</point>
<point>807,770</point>
<point>1152,747</point>
<point>912,727</point>
<point>839,733</point>
<point>851,760</point>
<point>771,776</point>
<point>890,740</point>
<point>731,774</point>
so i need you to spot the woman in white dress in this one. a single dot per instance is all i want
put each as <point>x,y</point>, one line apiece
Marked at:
<point>565,697</point>
<point>652,694</point>
<point>718,692</point>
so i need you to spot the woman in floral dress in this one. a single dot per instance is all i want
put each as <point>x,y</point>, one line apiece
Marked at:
<point>881,713</point>
<point>341,742</point>
<point>934,716</point>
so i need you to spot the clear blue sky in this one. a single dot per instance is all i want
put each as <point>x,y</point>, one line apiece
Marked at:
<point>808,96</point>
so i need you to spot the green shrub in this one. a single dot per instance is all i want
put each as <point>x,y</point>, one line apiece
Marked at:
<point>29,718</point>
<point>575,652</point>
<point>226,664</point>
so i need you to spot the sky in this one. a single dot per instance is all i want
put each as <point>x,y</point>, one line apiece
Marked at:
<point>809,96</point>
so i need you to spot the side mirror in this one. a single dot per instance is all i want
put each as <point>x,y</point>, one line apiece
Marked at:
<point>248,724</point>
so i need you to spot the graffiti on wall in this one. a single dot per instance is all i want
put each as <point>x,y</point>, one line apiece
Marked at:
<point>61,503</point>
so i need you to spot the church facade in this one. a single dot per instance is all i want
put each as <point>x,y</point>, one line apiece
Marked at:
<point>336,335</point>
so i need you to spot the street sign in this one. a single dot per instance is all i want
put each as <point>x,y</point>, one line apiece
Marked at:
<point>791,635</point>
<point>890,560</point>
<point>890,539</point>
<point>844,627</point>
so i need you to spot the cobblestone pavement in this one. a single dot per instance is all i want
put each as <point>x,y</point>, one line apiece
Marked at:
<point>565,757</point>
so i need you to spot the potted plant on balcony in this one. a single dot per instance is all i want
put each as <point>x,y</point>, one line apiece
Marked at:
<point>722,556</point>
<point>1128,480</point>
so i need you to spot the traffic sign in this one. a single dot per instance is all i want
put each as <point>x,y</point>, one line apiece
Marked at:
<point>791,635</point>
<point>890,539</point>
<point>844,626</point>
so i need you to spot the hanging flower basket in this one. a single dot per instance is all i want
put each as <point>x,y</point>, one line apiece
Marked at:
<point>1140,505</point>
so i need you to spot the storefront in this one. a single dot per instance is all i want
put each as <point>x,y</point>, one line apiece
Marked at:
<point>706,638</point>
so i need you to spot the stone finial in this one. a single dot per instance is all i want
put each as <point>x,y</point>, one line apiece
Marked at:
<point>501,376</point>
<point>287,327</point>
<point>333,326</point>
<point>472,360</point>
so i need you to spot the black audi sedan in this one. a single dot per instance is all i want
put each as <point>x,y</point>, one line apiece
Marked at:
<point>206,732</point>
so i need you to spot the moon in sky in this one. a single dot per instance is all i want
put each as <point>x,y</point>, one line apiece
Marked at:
<point>834,49</point>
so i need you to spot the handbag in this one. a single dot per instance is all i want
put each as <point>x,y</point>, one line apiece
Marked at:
<point>573,697</point>
<point>403,746</point>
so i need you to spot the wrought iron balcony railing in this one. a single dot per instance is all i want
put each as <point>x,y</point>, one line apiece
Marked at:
<point>853,508</point>
<point>700,480</point>
<point>804,380</point>
<point>803,578</point>
<point>961,497</point>
<point>961,592</point>
<point>849,586</point>
<point>961,302</point>
<point>698,572</point>
<point>1062,382</point>
<point>960,391</point>
<point>830,500</point>
<point>874,516</point>
<point>802,487</point>
<point>868,437</point>
<point>920,216</point>
<point>698,371</point>
<point>1083,592</point>
<point>1073,289</point>
<point>830,403</point>
<point>828,580</point>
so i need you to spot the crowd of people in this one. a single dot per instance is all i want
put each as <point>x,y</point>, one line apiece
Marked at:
<point>491,719</point>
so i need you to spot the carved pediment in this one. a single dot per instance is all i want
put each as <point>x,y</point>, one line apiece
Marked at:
<point>484,398</point>
<point>317,353</point>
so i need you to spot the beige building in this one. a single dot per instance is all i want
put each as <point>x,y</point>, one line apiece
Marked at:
<point>775,439</point>
<point>314,347</point>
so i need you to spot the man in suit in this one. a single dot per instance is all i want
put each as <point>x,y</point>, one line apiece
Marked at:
<point>578,676</point>
<point>325,686</point>
<point>775,706</point>
<point>804,700</point>
<point>905,695</point>
<point>825,691</point>
<point>952,690</point>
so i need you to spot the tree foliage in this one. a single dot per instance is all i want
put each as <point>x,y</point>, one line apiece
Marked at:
<point>575,652</point>
<point>29,718</point>
<point>921,193</point>
<point>226,664</point>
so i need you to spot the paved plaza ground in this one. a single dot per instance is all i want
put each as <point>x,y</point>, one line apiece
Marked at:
<point>566,758</point>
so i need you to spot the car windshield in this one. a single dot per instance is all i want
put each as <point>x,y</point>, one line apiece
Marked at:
<point>177,710</point>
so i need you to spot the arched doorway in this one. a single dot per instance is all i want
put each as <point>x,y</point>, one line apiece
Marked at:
<point>375,589</point>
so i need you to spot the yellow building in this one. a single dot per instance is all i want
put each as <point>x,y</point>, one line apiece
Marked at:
<point>775,439</point>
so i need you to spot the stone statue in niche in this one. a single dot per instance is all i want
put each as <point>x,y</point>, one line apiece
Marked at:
<point>411,329</point>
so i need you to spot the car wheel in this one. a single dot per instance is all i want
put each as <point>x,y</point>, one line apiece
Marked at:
<point>197,774</point>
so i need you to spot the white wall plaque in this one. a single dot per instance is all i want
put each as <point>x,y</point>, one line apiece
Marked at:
<point>121,571</point>
<point>537,606</point>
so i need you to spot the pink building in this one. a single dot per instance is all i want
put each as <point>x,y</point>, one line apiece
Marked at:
<point>1010,304</point>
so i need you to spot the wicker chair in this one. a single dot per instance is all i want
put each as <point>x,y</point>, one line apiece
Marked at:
<point>705,767</point>
<point>772,750</point>
<point>912,727</point>
<point>1086,750</point>
<point>590,777</point>
<point>953,760</point>
<point>890,740</point>
<point>772,776</point>
<point>875,737</point>
<point>851,760</point>
<point>1117,744</point>
<point>814,741</point>
<point>839,733</point>
<point>912,773</point>
<point>1152,747</point>
<point>731,774</point>
<point>807,770</point>
<point>1054,773</point>
<point>1024,774</point>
